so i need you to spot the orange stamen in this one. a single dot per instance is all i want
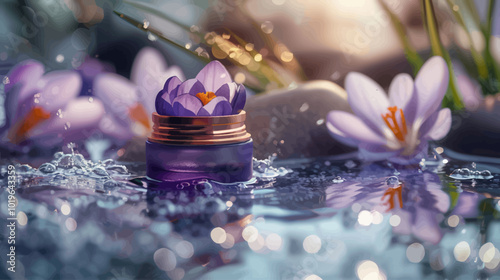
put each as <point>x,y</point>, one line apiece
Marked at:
<point>19,131</point>
<point>206,97</point>
<point>138,113</point>
<point>392,192</point>
<point>391,121</point>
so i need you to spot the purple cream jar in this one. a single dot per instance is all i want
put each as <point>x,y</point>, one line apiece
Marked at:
<point>189,148</point>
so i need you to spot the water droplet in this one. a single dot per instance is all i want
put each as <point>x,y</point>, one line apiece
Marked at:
<point>47,168</point>
<point>79,160</point>
<point>58,155</point>
<point>67,125</point>
<point>151,37</point>
<point>65,161</point>
<point>91,99</point>
<point>99,170</point>
<point>108,162</point>
<point>6,80</point>
<point>486,174</point>
<point>338,180</point>
<point>350,164</point>
<point>111,184</point>
<point>335,76</point>
<point>282,171</point>
<point>118,169</point>
<point>393,180</point>
<point>267,27</point>
<point>304,107</point>
<point>473,165</point>
<point>320,121</point>
<point>23,168</point>
<point>188,46</point>
<point>59,113</point>
<point>60,58</point>
<point>145,24</point>
<point>194,28</point>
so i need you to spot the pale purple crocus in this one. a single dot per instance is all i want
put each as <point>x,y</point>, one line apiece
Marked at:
<point>42,104</point>
<point>396,127</point>
<point>211,93</point>
<point>130,103</point>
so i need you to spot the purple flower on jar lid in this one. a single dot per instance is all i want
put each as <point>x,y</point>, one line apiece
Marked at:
<point>395,127</point>
<point>211,93</point>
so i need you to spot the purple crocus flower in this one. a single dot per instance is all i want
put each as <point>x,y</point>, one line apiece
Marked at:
<point>395,127</point>
<point>211,93</point>
<point>39,103</point>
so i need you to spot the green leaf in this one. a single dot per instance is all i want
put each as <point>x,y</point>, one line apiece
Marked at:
<point>411,54</point>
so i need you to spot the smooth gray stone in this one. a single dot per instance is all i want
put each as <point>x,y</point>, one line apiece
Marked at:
<point>292,122</point>
<point>475,133</point>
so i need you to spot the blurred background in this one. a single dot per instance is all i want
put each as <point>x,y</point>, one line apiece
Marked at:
<point>271,46</point>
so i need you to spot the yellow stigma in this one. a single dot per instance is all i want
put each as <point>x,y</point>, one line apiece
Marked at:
<point>399,130</point>
<point>205,97</point>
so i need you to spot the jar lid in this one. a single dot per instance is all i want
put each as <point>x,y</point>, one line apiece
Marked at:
<point>214,130</point>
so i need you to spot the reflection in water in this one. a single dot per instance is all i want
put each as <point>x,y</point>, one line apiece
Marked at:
<point>304,224</point>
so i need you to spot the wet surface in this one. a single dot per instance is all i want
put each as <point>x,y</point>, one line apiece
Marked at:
<point>333,218</point>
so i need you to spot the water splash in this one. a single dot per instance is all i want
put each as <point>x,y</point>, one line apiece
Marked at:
<point>73,169</point>
<point>467,174</point>
<point>338,180</point>
<point>263,169</point>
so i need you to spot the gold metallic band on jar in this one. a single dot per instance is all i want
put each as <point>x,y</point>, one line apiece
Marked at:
<point>213,130</point>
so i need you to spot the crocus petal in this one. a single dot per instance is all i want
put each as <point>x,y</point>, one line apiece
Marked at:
<point>163,107</point>
<point>239,99</point>
<point>353,127</point>
<point>339,136</point>
<point>171,83</point>
<point>367,100</point>
<point>186,105</point>
<point>150,70</point>
<point>148,64</point>
<point>218,106</point>
<point>197,88</point>
<point>25,71</point>
<point>418,154</point>
<point>59,88</point>
<point>223,91</point>
<point>109,126</point>
<point>117,93</point>
<point>374,152</point>
<point>401,90</point>
<point>163,104</point>
<point>430,85</point>
<point>183,88</point>
<point>213,76</point>
<point>471,92</point>
<point>438,128</point>
<point>22,85</point>
<point>79,114</point>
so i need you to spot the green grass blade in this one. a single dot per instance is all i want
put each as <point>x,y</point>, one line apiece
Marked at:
<point>453,98</point>
<point>411,54</point>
